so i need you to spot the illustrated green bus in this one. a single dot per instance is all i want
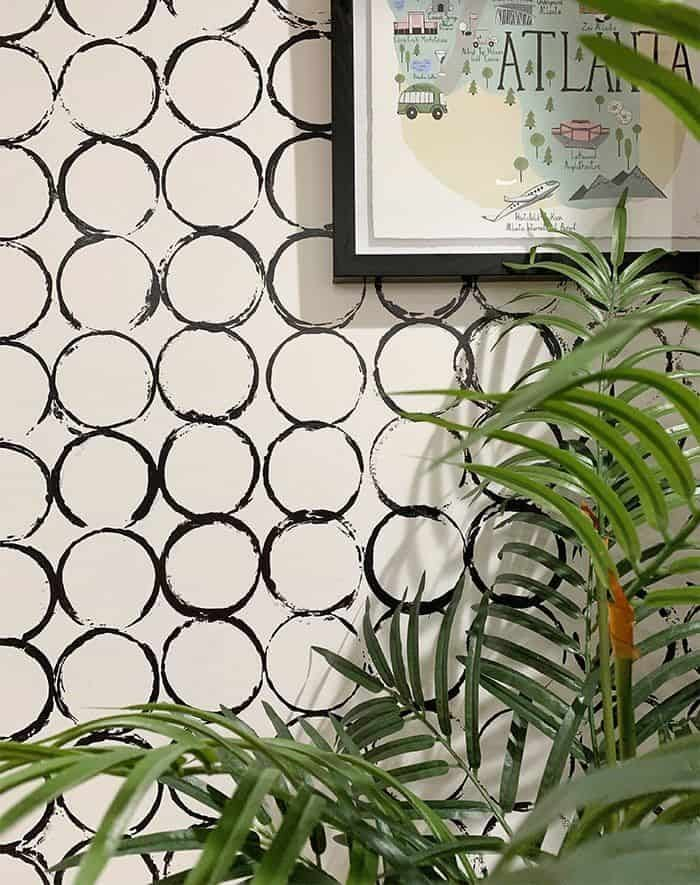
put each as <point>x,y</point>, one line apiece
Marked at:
<point>422,98</point>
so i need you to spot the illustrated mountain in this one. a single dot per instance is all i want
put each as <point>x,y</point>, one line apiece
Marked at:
<point>636,182</point>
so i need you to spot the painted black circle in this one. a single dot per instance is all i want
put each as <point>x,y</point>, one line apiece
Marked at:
<point>171,6</point>
<point>311,426</point>
<point>152,483</point>
<point>271,172</point>
<point>175,58</point>
<point>237,240</point>
<point>41,20</point>
<point>63,596</point>
<point>51,581</point>
<point>386,598</point>
<point>194,611</point>
<point>289,318</point>
<point>150,64</point>
<point>243,628</point>
<point>231,413</point>
<point>48,498</point>
<point>163,462</point>
<point>83,226</point>
<point>306,125</point>
<point>151,299</point>
<point>39,261</point>
<point>83,639</point>
<point>257,169</point>
<point>50,189</point>
<point>44,120</point>
<point>63,7</point>
<point>42,717</point>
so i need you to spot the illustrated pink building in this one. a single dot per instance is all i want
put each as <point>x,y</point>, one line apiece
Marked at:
<point>415,24</point>
<point>580,130</point>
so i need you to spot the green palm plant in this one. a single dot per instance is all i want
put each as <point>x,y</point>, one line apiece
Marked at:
<point>621,492</point>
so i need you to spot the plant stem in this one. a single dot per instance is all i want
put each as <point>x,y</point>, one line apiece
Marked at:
<point>589,663</point>
<point>605,678</point>
<point>483,792</point>
<point>625,709</point>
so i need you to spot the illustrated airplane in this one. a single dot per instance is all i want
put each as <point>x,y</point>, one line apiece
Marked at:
<point>527,198</point>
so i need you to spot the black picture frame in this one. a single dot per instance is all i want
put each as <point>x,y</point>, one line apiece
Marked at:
<point>348,265</point>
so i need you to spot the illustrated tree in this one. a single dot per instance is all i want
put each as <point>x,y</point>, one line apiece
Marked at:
<point>530,120</point>
<point>628,151</point>
<point>619,135</point>
<point>521,164</point>
<point>467,69</point>
<point>510,98</point>
<point>416,50</point>
<point>600,101</point>
<point>399,80</point>
<point>579,54</point>
<point>537,140</point>
<point>548,156</point>
<point>550,75</point>
<point>637,129</point>
<point>473,88</point>
<point>402,51</point>
<point>487,73</point>
<point>550,104</point>
<point>529,68</point>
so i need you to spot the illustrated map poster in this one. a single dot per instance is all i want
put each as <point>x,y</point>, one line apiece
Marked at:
<point>478,114</point>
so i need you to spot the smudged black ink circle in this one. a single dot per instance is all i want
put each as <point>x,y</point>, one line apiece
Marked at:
<point>39,18</point>
<point>43,211</point>
<point>169,578</point>
<point>458,369</point>
<point>48,606</point>
<point>177,401</point>
<point>148,300</point>
<point>499,510</point>
<point>352,475</point>
<point>113,741</point>
<point>280,589</point>
<point>43,506</point>
<point>419,512</point>
<point>316,352</point>
<point>276,287</point>
<point>292,17</point>
<point>74,648</point>
<point>73,451</point>
<point>27,856</point>
<point>193,666</point>
<point>20,390</point>
<point>272,170</point>
<point>171,71</point>
<point>42,717</point>
<point>64,183</point>
<point>65,592</point>
<point>38,303</point>
<point>151,871</point>
<point>406,311</point>
<point>277,672</point>
<point>242,494</point>
<point>183,154</point>
<point>226,28</point>
<point>478,327</point>
<point>151,103</point>
<point>44,117</point>
<point>114,420</point>
<point>287,46</point>
<point>378,465</point>
<point>64,8</point>
<point>238,243</point>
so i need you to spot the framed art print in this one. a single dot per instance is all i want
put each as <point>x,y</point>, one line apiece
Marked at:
<point>455,122</point>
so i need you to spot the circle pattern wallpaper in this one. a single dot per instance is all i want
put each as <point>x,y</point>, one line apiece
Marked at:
<point>204,465</point>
